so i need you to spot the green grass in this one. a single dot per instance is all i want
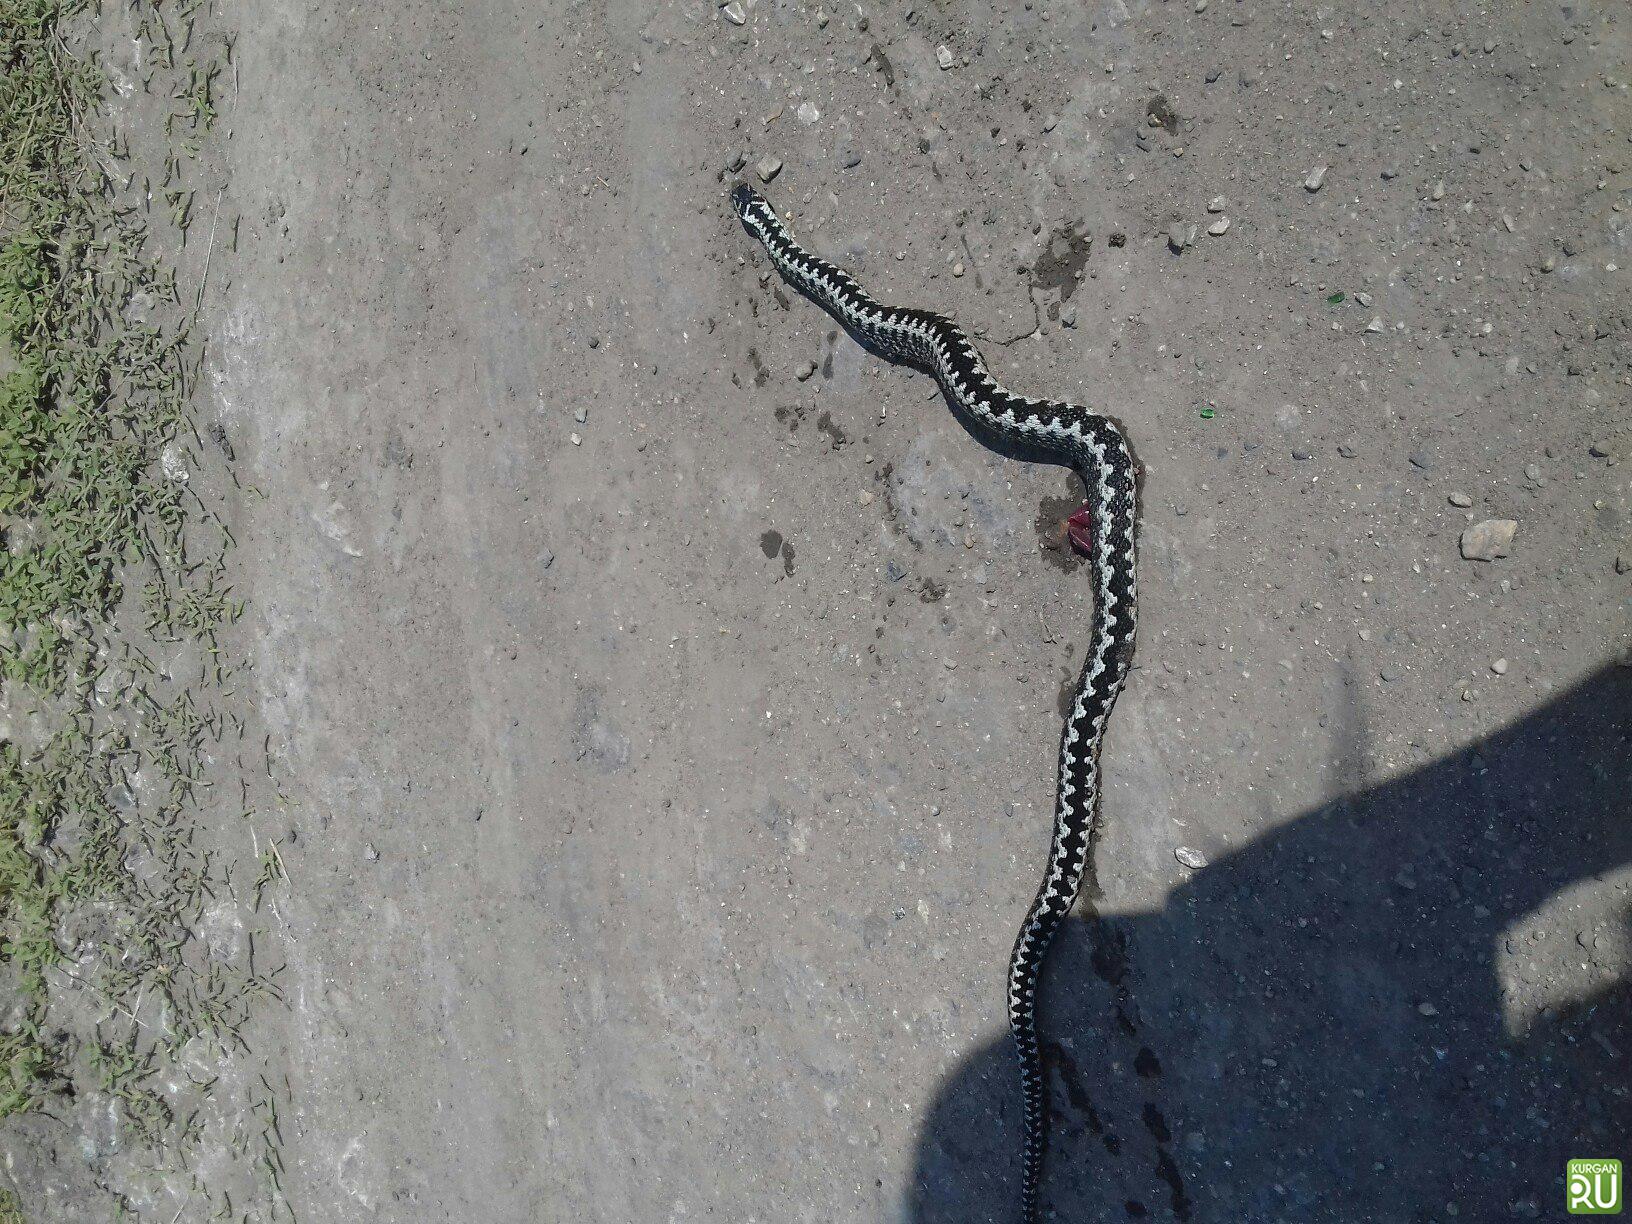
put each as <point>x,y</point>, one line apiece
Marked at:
<point>104,557</point>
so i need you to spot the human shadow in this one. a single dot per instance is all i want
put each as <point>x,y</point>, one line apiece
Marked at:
<point>1324,1026</point>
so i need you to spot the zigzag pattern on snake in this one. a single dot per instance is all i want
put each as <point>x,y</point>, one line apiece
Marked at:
<point>1091,443</point>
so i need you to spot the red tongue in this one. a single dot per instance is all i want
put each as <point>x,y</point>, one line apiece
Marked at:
<point>1080,528</point>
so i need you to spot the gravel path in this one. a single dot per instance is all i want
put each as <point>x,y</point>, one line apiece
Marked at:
<point>667,691</point>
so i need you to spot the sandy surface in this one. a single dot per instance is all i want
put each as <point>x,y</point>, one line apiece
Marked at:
<point>669,739</point>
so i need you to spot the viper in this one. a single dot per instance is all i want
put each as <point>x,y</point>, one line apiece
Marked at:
<point>1104,528</point>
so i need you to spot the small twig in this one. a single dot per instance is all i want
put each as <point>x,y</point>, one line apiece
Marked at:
<point>208,251</point>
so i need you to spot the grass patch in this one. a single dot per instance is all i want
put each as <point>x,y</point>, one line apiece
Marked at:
<point>112,590</point>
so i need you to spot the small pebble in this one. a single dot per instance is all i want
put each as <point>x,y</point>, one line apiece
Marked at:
<point>1068,316</point>
<point>370,853</point>
<point>1461,500</point>
<point>580,415</point>
<point>1376,324</point>
<point>1438,193</point>
<point>1176,236</point>
<point>733,13</point>
<point>943,56</point>
<point>1499,666</point>
<point>805,371</point>
<point>1487,540</point>
<point>1218,227</point>
<point>1427,1009</point>
<point>865,497</point>
<point>1364,299</point>
<point>768,168</point>
<point>1217,204</point>
<point>1623,563</point>
<point>1316,178</point>
<point>1193,859</point>
<point>957,268</point>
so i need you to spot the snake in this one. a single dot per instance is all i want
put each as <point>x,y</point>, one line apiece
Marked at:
<point>1095,446</point>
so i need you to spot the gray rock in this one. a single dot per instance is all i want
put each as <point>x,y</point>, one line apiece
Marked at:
<point>768,168</point>
<point>943,56</point>
<point>1193,859</point>
<point>1487,540</point>
<point>1461,500</point>
<point>733,12</point>
<point>1316,178</point>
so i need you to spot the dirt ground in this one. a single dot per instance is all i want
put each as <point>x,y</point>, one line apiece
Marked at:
<point>666,692</point>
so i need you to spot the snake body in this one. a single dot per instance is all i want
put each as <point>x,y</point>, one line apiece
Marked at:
<point>1094,445</point>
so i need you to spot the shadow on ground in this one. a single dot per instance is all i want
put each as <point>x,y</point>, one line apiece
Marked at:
<point>1314,1028</point>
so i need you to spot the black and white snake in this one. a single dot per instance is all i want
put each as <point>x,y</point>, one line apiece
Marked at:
<point>1092,444</point>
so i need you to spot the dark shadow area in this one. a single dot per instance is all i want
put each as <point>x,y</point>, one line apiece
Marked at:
<point>1314,1028</point>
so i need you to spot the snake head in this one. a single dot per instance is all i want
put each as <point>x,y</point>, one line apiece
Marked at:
<point>750,205</point>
